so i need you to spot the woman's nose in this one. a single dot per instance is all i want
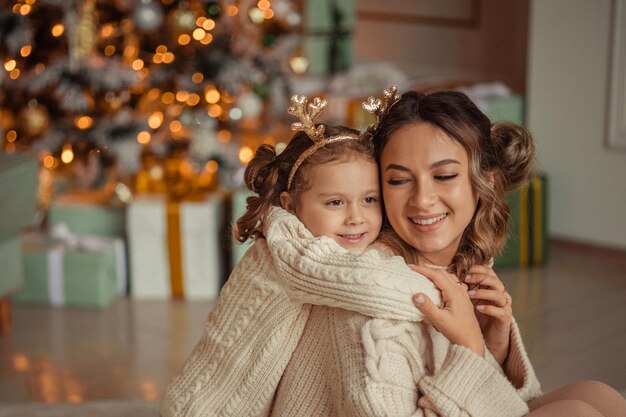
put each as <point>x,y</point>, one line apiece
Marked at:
<point>423,196</point>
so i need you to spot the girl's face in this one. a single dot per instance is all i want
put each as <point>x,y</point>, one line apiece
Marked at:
<point>343,202</point>
<point>427,191</point>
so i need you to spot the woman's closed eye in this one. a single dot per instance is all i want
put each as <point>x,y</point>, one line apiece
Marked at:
<point>446,177</point>
<point>397,181</point>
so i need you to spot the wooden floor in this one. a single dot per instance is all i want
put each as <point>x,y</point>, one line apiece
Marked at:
<point>572,313</point>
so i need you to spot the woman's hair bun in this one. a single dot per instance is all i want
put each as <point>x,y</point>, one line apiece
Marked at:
<point>515,153</point>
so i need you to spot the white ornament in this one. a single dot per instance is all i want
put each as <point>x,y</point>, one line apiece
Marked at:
<point>250,104</point>
<point>148,15</point>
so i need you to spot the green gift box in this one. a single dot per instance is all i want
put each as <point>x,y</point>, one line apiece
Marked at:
<point>527,244</point>
<point>19,177</point>
<point>238,209</point>
<point>506,108</point>
<point>327,35</point>
<point>87,213</point>
<point>12,271</point>
<point>86,276</point>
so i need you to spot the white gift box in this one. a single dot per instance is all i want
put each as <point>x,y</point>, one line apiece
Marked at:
<point>152,259</point>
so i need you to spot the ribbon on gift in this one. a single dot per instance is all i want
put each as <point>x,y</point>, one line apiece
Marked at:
<point>62,233</point>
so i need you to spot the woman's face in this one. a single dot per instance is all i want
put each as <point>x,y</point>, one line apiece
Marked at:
<point>427,190</point>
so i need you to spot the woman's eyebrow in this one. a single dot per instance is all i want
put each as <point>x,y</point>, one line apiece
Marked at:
<point>396,166</point>
<point>444,162</point>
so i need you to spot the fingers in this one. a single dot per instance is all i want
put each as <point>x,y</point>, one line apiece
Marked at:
<point>484,276</point>
<point>497,298</point>
<point>428,308</point>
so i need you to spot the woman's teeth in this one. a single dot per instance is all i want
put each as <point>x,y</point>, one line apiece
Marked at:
<point>426,222</point>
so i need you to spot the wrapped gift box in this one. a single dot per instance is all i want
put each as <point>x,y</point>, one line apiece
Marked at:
<point>237,250</point>
<point>174,247</point>
<point>527,244</point>
<point>19,175</point>
<point>91,274</point>
<point>508,108</point>
<point>12,270</point>
<point>327,35</point>
<point>88,213</point>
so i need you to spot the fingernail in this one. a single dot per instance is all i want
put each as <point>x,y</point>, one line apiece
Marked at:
<point>471,292</point>
<point>410,265</point>
<point>480,307</point>
<point>420,299</point>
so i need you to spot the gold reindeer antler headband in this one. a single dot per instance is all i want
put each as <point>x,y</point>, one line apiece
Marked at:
<point>307,112</point>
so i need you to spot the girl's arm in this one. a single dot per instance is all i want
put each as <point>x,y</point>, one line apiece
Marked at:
<point>319,271</point>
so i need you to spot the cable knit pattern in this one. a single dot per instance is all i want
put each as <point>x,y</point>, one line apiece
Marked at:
<point>317,270</point>
<point>264,332</point>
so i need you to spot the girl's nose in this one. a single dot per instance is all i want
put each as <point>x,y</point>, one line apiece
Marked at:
<point>355,215</point>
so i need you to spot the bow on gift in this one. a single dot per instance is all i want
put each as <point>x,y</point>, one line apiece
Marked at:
<point>62,233</point>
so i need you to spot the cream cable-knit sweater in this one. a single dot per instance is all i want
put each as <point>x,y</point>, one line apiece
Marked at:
<point>254,328</point>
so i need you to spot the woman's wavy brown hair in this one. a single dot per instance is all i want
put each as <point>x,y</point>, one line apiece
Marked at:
<point>504,151</point>
<point>268,172</point>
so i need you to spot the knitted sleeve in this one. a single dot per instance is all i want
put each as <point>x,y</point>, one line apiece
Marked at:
<point>317,270</point>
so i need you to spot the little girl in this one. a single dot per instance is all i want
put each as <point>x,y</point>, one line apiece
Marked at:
<point>328,177</point>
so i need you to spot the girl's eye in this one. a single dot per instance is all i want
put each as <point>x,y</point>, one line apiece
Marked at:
<point>396,181</point>
<point>336,202</point>
<point>371,200</point>
<point>445,177</point>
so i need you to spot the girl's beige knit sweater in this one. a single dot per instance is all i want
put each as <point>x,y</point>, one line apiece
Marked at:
<point>362,349</point>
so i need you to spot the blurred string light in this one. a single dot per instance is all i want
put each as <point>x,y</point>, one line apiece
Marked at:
<point>57,30</point>
<point>67,154</point>
<point>245,154</point>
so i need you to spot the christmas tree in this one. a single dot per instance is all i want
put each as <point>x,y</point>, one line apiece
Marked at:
<point>102,88</point>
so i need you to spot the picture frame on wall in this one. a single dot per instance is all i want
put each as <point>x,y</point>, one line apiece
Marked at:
<point>616,121</point>
<point>456,13</point>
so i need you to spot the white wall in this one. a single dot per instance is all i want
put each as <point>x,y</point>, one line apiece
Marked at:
<point>569,51</point>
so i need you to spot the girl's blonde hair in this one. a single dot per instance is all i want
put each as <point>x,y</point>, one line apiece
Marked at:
<point>268,172</point>
<point>504,151</point>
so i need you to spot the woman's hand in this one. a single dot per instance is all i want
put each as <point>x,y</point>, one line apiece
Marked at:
<point>493,309</point>
<point>456,319</point>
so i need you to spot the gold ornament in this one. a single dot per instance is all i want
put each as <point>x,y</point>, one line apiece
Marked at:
<point>83,40</point>
<point>34,119</point>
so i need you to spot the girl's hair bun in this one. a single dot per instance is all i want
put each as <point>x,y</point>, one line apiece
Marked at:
<point>515,153</point>
<point>258,170</point>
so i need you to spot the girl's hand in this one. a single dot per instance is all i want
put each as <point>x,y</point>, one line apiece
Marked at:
<point>493,309</point>
<point>456,319</point>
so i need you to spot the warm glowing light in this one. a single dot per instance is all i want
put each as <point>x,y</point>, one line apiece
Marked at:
<point>15,74</point>
<point>155,120</point>
<point>57,30</point>
<point>26,50</point>
<point>175,110</point>
<point>21,362</point>
<point>9,147</point>
<point>256,15</point>
<point>215,110</point>
<point>74,398</point>
<point>49,161</point>
<point>157,58</point>
<point>10,65</point>
<point>176,126</point>
<point>83,122</point>
<point>197,77</point>
<point>109,50</point>
<point>25,9</point>
<point>168,97</point>
<point>299,64</point>
<point>209,24</point>
<point>182,96</point>
<point>198,34</point>
<point>184,39</point>
<point>268,14</point>
<point>193,100</point>
<point>168,57</point>
<point>11,136</point>
<point>208,38</point>
<point>16,8</point>
<point>106,30</point>
<point>224,135</point>
<point>200,21</point>
<point>130,51</point>
<point>245,154</point>
<point>143,137</point>
<point>232,10</point>
<point>211,95</point>
<point>153,93</point>
<point>161,49</point>
<point>67,155</point>
<point>263,4</point>
<point>39,68</point>
<point>137,64</point>
<point>149,390</point>
<point>211,167</point>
